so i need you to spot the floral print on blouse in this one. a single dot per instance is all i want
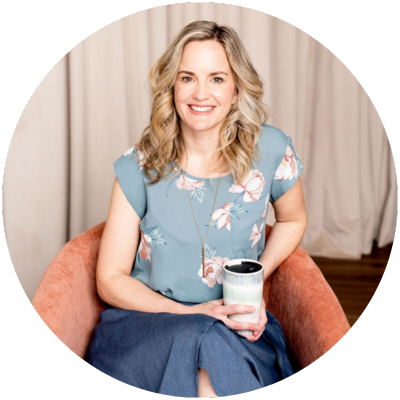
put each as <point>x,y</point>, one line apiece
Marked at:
<point>169,257</point>
<point>252,186</point>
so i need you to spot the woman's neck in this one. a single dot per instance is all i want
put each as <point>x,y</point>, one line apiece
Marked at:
<point>197,157</point>
<point>199,145</point>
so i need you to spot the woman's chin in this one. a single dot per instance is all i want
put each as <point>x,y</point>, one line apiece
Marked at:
<point>201,126</point>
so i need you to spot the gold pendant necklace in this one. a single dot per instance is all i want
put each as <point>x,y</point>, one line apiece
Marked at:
<point>212,212</point>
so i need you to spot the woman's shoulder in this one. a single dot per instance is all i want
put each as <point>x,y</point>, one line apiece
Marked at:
<point>272,142</point>
<point>130,159</point>
<point>272,135</point>
<point>128,170</point>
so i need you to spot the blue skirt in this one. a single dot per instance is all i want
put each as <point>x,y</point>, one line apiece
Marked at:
<point>161,352</point>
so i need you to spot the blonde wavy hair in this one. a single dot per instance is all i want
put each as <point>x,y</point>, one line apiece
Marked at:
<point>161,142</point>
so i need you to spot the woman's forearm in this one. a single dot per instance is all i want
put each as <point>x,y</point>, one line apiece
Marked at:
<point>128,293</point>
<point>123,291</point>
<point>282,241</point>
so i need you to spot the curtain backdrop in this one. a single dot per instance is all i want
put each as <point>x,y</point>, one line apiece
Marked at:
<point>95,103</point>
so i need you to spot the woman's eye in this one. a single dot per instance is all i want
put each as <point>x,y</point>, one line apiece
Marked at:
<point>186,79</point>
<point>218,80</point>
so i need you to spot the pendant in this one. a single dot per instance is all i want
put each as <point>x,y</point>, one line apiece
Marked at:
<point>202,254</point>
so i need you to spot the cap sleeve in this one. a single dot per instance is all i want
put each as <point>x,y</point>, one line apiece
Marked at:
<point>129,174</point>
<point>287,172</point>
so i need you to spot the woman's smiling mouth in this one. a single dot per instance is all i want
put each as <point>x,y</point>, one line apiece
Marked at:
<point>200,110</point>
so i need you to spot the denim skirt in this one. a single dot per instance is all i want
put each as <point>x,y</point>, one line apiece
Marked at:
<point>161,352</point>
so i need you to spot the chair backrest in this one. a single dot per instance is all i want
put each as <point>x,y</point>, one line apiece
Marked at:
<point>66,298</point>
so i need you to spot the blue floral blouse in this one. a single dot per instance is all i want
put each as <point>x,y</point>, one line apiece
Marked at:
<point>169,256</point>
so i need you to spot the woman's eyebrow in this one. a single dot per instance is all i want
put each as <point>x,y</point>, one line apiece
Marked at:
<point>211,74</point>
<point>218,73</point>
<point>186,72</point>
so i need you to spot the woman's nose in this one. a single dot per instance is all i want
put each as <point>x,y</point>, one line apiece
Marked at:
<point>201,92</point>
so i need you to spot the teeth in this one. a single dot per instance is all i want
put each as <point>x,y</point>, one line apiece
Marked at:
<point>201,108</point>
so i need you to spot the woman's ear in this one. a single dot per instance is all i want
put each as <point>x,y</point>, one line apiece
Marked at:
<point>235,97</point>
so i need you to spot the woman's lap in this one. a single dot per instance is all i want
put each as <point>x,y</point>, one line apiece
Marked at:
<point>161,352</point>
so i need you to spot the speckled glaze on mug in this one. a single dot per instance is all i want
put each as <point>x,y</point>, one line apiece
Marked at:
<point>243,288</point>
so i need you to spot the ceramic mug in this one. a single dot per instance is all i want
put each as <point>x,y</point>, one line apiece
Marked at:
<point>243,281</point>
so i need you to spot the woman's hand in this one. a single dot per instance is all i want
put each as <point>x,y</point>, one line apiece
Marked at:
<point>217,309</point>
<point>261,324</point>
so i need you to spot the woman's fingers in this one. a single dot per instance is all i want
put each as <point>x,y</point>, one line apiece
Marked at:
<point>249,337</point>
<point>259,331</point>
<point>261,323</point>
<point>260,327</point>
<point>240,326</point>
<point>222,312</point>
<point>237,309</point>
<point>254,337</point>
<point>256,334</point>
<point>217,302</point>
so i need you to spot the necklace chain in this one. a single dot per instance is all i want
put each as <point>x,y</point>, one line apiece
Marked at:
<point>212,212</point>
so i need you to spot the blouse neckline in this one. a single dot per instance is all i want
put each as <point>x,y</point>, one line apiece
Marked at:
<point>223,177</point>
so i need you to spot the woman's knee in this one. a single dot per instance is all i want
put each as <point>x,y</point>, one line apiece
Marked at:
<point>205,387</point>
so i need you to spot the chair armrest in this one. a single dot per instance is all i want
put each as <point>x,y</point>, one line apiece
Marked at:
<point>66,298</point>
<point>310,314</point>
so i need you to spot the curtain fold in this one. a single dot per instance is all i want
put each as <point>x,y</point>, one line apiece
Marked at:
<point>95,103</point>
<point>36,176</point>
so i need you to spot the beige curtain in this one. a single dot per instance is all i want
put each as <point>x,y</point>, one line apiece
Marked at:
<point>95,103</point>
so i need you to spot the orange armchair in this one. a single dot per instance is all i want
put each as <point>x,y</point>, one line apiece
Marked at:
<point>296,293</point>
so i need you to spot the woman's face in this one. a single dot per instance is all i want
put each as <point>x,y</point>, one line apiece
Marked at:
<point>204,89</point>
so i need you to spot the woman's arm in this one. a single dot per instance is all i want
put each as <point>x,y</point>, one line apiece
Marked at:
<point>116,287</point>
<point>288,230</point>
<point>117,253</point>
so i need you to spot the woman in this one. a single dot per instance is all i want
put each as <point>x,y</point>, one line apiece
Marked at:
<point>200,178</point>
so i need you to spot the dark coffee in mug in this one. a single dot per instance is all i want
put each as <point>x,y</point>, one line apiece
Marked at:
<point>245,267</point>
